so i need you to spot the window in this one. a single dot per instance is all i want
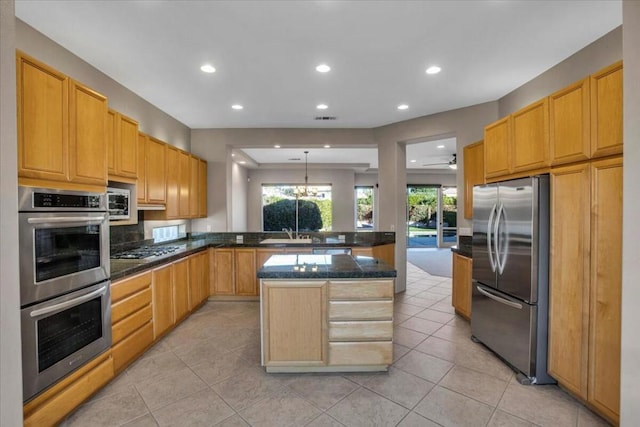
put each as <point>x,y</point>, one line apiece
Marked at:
<point>364,209</point>
<point>280,202</point>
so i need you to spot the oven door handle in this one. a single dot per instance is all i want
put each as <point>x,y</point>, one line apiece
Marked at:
<point>67,304</point>
<point>67,219</point>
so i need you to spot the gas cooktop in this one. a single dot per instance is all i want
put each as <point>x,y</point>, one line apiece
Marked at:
<point>148,253</point>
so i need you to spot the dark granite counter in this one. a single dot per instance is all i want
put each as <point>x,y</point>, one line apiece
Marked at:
<point>306,266</point>
<point>197,242</point>
<point>463,247</point>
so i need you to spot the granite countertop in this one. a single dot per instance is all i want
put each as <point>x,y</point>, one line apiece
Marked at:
<point>463,247</point>
<point>306,266</point>
<point>201,241</point>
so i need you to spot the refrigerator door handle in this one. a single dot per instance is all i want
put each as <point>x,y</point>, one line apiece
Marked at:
<point>500,261</point>
<point>499,299</point>
<point>490,237</point>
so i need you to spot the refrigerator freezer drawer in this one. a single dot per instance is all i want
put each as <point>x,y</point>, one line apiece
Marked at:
<point>505,325</point>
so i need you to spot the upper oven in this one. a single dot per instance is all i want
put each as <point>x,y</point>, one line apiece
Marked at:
<point>63,242</point>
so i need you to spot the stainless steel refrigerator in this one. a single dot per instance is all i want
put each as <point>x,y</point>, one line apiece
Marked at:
<point>511,273</point>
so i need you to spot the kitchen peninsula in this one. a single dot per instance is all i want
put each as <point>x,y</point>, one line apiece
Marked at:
<point>326,313</point>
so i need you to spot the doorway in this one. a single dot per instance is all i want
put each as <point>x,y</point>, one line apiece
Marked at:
<point>431,216</point>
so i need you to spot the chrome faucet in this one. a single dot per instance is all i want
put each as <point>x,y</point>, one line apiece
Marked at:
<point>289,232</point>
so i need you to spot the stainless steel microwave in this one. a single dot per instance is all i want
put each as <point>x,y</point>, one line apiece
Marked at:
<point>119,203</point>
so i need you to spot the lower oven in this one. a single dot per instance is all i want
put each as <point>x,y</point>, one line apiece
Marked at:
<point>61,334</point>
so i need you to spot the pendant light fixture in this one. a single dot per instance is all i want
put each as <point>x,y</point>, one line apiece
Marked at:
<point>306,191</point>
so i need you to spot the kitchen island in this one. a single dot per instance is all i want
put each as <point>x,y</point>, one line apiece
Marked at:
<point>326,313</point>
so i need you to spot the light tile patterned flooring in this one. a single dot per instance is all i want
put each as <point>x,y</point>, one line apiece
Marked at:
<point>207,373</point>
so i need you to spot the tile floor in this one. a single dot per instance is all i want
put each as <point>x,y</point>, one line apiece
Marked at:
<point>207,373</point>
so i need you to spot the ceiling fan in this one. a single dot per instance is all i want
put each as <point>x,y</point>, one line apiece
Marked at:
<point>451,163</point>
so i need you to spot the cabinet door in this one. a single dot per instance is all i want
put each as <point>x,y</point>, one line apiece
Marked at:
<point>87,130</point>
<point>43,120</point>
<point>204,275</point>
<point>155,164</point>
<point>245,269</point>
<point>497,148</point>
<point>473,157</point>
<point>223,271</point>
<point>569,277</point>
<point>180,278</point>
<point>461,290</point>
<point>173,183</point>
<point>128,148</point>
<point>530,137</point>
<point>112,131</point>
<point>141,186</point>
<point>294,322</point>
<point>202,188</point>
<point>198,279</point>
<point>163,313</point>
<point>606,285</point>
<point>194,183</point>
<point>606,111</point>
<point>184,184</point>
<point>569,124</point>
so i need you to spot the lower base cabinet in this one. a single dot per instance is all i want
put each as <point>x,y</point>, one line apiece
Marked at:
<point>461,289</point>
<point>52,406</point>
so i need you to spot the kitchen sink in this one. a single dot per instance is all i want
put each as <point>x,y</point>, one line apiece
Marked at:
<point>298,241</point>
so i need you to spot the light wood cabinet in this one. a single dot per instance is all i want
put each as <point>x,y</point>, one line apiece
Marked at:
<point>202,188</point>
<point>55,403</point>
<point>184,184</point>
<point>497,148</point>
<point>224,276</point>
<point>386,253</point>
<point>194,187</point>
<point>569,124</point>
<point>163,310</point>
<point>131,318</point>
<point>155,161</point>
<point>122,147</point>
<point>246,281</point>
<point>141,185</point>
<point>530,137</point>
<point>606,111</point>
<point>61,128</point>
<point>585,282</point>
<point>294,319</point>
<point>198,279</point>
<point>473,158</point>
<point>461,285</point>
<point>180,285</point>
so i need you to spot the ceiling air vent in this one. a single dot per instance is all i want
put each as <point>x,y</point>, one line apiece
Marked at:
<point>325,118</point>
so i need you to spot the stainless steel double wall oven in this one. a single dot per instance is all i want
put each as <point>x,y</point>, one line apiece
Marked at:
<point>64,283</point>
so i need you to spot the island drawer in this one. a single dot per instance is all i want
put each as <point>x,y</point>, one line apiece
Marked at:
<point>361,353</point>
<point>361,310</point>
<point>361,330</point>
<point>358,289</point>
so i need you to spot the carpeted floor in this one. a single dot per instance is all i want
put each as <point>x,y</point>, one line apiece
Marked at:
<point>436,262</point>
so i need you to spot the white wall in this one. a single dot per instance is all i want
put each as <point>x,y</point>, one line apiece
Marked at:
<point>239,209</point>
<point>342,195</point>
<point>630,392</point>
<point>10,355</point>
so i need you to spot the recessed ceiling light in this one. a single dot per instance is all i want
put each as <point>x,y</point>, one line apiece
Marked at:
<point>323,68</point>
<point>276,146</point>
<point>403,107</point>
<point>237,107</point>
<point>434,69</point>
<point>327,146</point>
<point>412,160</point>
<point>322,106</point>
<point>440,146</point>
<point>242,162</point>
<point>208,68</point>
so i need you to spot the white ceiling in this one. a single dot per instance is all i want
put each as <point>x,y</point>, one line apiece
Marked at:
<point>265,53</point>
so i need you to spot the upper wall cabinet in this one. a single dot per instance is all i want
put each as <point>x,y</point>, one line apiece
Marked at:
<point>61,128</point>
<point>122,147</point>
<point>569,116</point>
<point>606,111</point>
<point>151,186</point>
<point>530,137</point>
<point>497,148</point>
<point>473,158</point>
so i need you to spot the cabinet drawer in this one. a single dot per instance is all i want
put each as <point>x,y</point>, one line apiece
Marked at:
<point>129,324</point>
<point>361,331</point>
<point>125,307</point>
<point>360,353</point>
<point>360,310</point>
<point>132,346</point>
<point>360,289</point>
<point>129,286</point>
